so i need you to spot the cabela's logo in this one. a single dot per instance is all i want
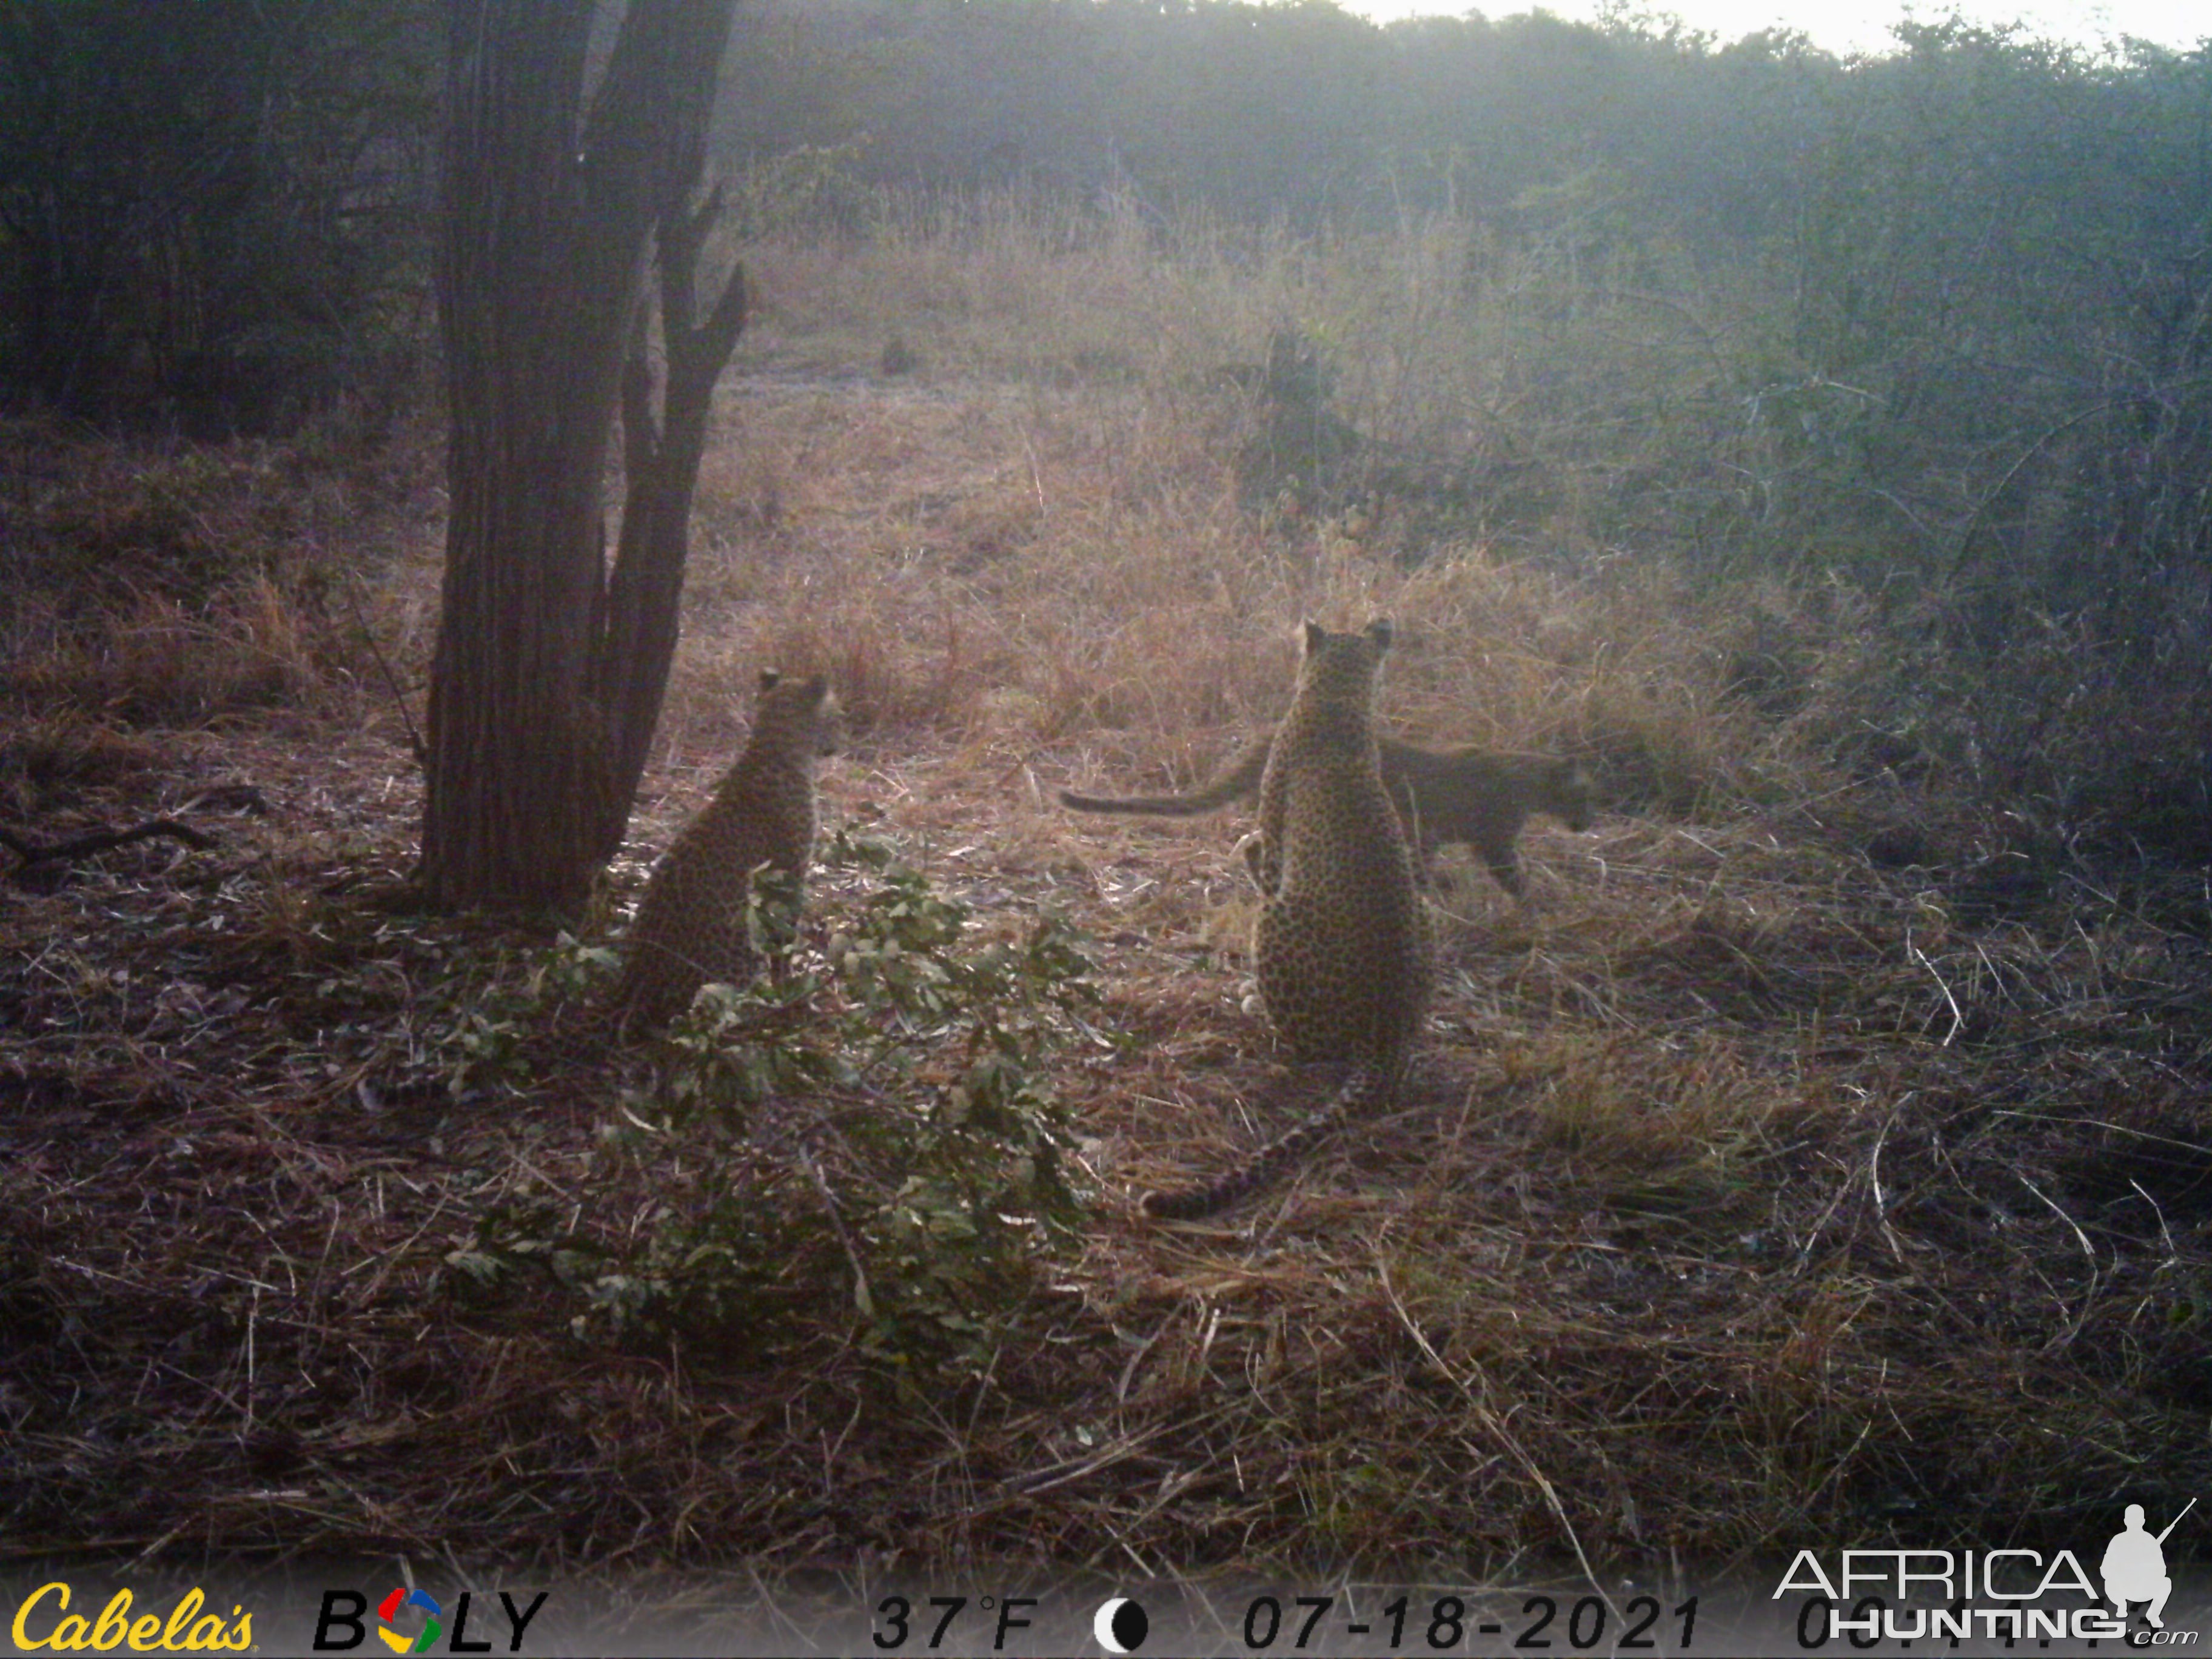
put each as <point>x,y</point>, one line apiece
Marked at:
<point>185,1630</point>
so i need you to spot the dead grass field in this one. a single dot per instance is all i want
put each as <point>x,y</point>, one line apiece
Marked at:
<point>1805,1167</point>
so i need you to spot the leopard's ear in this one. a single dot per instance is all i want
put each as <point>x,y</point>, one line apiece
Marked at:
<point>1379,631</point>
<point>817,690</point>
<point>1311,636</point>
<point>768,678</point>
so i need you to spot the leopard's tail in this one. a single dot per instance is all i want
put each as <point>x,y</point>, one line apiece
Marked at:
<point>1367,1088</point>
<point>1240,779</point>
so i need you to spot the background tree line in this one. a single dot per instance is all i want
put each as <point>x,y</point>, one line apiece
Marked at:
<point>1981,265</point>
<point>228,204</point>
<point>214,212</point>
<point>1936,323</point>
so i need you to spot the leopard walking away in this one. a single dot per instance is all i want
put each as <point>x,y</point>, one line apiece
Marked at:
<point>1478,797</point>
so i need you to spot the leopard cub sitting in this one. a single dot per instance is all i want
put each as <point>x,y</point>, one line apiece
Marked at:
<point>692,927</point>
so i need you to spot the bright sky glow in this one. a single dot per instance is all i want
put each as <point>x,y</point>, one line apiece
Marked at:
<point>1856,26</point>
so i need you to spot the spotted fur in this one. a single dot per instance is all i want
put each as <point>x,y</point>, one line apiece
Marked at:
<point>693,926</point>
<point>1341,945</point>
<point>1477,797</point>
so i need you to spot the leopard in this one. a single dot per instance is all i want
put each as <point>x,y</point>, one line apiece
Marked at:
<point>1480,798</point>
<point>1341,945</point>
<point>693,925</point>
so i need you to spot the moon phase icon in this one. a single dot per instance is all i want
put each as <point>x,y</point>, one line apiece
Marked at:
<point>1120,1625</point>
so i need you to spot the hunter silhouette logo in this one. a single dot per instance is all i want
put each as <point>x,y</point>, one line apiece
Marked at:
<point>388,1609</point>
<point>2006,1594</point>
<point>2134,1568</point>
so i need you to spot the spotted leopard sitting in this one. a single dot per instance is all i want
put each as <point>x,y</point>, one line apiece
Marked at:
<point>693,926</point>
<point>1341,945</point>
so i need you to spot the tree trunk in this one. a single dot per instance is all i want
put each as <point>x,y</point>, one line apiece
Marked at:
<point>661,460</point>
<point>537,697</point>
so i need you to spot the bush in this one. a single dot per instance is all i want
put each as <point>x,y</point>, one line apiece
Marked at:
<point>867,1134</point>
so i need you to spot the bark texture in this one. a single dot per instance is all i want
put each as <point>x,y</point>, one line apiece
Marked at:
<point>562,167</point>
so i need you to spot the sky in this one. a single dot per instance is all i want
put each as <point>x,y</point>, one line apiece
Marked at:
<point>1850,25</point>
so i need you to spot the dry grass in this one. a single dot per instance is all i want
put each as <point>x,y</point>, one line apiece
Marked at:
<point>1758,1186</point>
